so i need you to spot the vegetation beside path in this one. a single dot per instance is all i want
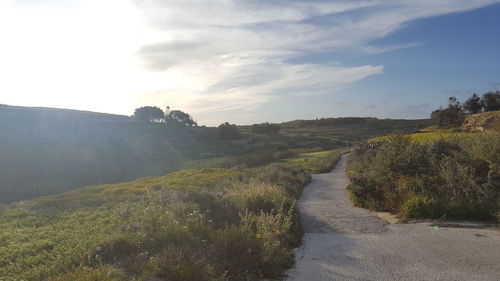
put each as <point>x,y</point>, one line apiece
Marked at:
<point>428,135</point>
<point>199,224</point>
<point>454,177</point>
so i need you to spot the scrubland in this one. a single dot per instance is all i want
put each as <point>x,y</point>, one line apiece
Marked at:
<point>424,136</point>
<point>200,224</point>
<point>451,177</point>
<point>47,151</point>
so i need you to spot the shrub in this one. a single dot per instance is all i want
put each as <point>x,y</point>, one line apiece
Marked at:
<point>365,195</point>
<point>264,198</point>
<point>455,177</point>
<point>236,253</point>
<point>228,131</point>
<point>112,250</point>
<point>177,264</point>
<point>278,233</point>
<point>95,274</point>
<point>266,128</point>
<point>421,207</point>
<point>290,180</point>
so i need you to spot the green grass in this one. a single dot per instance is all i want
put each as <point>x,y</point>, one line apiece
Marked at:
<point>37,244</point>
<point>188,225</point>
<point>314,162</point>
<point>97,195</point>
<point>305,157</point>
<point>427,136</point>
<point>248,160</point>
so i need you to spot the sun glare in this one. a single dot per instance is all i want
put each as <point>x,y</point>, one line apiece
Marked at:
<point>79,56</point>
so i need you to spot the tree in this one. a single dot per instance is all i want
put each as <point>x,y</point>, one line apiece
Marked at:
<point>437,117</point>
<point>491,101</point>
<point>228,131</point>
<point>473,104</point>
<point>265,128</point>
<point>455,112</point>
<point>453,115</point>
<point>180,118</point>
<point>149,114</point>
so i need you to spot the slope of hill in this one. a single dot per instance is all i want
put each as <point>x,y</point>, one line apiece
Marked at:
<point>334,132</point>
<point>46,151</point>
<point>487,121</point>
<point>428,135</point>
<point>191,225</point>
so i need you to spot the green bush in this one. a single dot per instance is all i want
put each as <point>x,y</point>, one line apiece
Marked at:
<point>92,274</point>
<point>236,253</point>
<point>264,198</point>
<point>175,264</point>
<point>456,177</point>
<point>112,250</point>
<point>278,232</point>
<point>421,207</point>
<point>289,179</point>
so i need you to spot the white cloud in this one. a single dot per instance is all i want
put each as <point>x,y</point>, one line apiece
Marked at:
<point>205,57</point>
<point>230,13</point>
<point>242,48</point>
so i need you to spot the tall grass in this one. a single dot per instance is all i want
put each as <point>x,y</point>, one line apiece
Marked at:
<point>207,224</point>
<point>247,160</point>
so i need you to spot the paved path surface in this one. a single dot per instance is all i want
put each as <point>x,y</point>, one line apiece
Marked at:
<point>342,242</point>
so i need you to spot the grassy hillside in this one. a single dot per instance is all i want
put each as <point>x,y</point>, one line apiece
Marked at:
<point>487,121</point>
<point>481,122</point>
<point>332,132</point>
<point>426,135</point>
<point>46,151</point>
<point>191,225</point>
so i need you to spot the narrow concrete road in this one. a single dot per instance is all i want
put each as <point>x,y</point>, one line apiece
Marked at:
<point>342,242</point>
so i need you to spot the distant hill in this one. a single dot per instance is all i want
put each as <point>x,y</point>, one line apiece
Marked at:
<point>46,151</point>
<point>59,113</point>
<point>334,132</point>
<point>487,121</point>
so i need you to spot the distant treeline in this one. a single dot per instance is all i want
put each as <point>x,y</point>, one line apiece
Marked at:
<point>369,123</point>
<point>321,122</point>
<point>454,114</point>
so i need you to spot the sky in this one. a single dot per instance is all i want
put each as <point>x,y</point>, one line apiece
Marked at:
<point>249,61</point>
